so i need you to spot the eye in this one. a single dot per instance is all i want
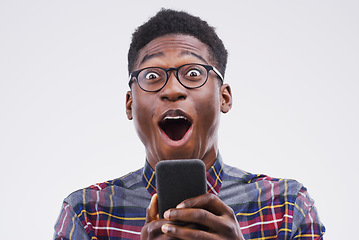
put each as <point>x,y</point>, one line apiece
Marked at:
<point>194,73</point>
<point>151,76</point>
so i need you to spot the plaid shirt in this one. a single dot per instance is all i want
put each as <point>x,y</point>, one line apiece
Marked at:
<point>266,208</point>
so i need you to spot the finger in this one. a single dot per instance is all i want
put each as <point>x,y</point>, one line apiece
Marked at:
<point>209,202</point>
<point>152,210</point>
<point>194,215</point>
<point>185,233</point>
<point>153,230</point>
<point>225,226</point>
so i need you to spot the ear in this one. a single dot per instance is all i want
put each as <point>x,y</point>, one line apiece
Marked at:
<point>226,98</point>
<point>129,105</point>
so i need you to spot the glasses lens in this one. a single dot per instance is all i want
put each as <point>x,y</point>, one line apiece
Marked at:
<point>192,75</point>
<point>152,79</point>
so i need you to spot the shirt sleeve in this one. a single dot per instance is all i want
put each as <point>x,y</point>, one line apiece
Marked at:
<point>68,225</point>
<point>306,223</point>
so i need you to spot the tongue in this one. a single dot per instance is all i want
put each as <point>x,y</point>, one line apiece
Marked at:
<point>176,129</point>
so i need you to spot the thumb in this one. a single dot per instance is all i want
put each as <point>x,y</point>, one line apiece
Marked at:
<point>152,210</point>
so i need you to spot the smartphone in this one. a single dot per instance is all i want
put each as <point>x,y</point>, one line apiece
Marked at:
<point>178,180</point>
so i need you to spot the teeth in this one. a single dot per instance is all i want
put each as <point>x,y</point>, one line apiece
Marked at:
<point>174,117</point>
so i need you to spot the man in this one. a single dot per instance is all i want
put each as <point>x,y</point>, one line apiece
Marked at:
<point>176,64</point>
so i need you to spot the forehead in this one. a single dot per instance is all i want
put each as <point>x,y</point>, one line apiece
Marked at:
<point>171,50</point>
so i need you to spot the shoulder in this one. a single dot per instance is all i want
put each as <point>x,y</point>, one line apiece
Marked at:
<point>127,182</point>
<point>266,185</point>
<point>254,197</point>
<point>243,188</point>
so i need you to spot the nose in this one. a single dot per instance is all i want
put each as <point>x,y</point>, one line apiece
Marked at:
<point>173,90</point>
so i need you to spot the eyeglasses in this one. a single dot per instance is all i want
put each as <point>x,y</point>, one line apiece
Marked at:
<point>191,75</point>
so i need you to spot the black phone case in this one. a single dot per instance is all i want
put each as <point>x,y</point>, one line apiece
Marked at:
<point>178,180</point>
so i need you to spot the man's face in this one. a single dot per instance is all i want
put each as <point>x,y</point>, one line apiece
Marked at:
<point>176,122</point>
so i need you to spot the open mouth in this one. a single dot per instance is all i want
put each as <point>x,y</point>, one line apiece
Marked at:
<point>175,125</point>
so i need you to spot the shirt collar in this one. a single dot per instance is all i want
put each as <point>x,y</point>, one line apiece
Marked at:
<point>214,177</point>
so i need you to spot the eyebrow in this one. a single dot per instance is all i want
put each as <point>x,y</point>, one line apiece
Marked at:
<point>193,54</point>
<point>160,54</point>
<point>150,56</point>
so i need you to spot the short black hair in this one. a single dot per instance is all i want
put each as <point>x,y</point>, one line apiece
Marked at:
<point>168,21</point>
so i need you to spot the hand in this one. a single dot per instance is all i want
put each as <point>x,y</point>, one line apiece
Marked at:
<point>152,227</point>
<point>207,211</point>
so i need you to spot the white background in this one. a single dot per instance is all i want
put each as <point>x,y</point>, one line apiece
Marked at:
<point>293,68</point>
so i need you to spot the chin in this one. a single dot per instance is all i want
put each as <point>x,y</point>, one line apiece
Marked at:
<point>182,152</point>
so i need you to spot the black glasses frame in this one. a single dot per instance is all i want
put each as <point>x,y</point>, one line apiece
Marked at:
<point>176,69</point>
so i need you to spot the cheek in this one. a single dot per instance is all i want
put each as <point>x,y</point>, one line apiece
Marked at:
<point>141,106</point>
<point>143,116</point>
<point>208,114</point>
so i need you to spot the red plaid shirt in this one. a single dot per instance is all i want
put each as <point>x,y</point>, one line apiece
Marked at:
<point>266,208</point>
